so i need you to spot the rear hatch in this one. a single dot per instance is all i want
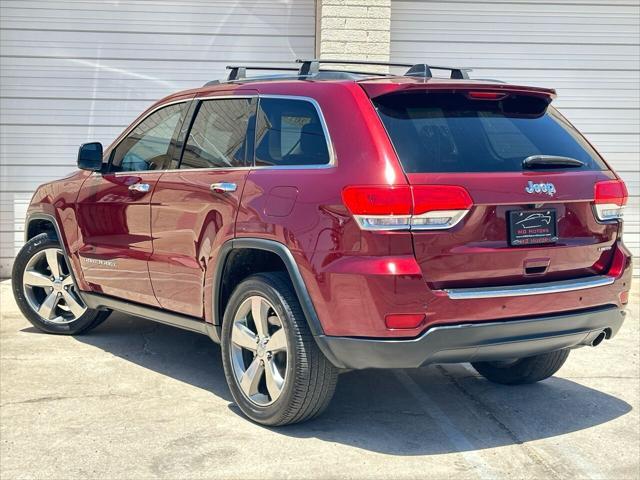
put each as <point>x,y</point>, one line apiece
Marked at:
<point>530,176</point>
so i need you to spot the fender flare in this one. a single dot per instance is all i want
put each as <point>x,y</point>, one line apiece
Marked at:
<point>292,269</point>
<point>42,216</point>
<point>51,219</point>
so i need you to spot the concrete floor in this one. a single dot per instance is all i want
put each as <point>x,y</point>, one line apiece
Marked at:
<point>134,399</point>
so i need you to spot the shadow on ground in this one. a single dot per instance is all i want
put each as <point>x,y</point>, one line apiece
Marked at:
<point>380,410</point>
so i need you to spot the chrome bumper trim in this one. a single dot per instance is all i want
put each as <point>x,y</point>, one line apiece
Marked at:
<point>532,289</point>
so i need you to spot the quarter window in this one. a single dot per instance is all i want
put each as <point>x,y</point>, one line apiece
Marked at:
<point>218,137</point>
<point>289,132</point>
<point>147,147</point>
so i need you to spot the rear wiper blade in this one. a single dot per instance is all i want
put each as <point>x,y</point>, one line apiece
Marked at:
<point>550,161</point>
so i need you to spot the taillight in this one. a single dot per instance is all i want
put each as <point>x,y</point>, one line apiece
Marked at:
<point>379,207</point>
<point>610,197</point>
<point>439,206</point>
<point>421,207</point>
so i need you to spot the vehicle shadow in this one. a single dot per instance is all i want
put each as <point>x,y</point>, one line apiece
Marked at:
<point>404,412</point>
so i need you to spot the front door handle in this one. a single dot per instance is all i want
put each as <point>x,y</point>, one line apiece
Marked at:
<point>140,187</point>
<point>223,187</point>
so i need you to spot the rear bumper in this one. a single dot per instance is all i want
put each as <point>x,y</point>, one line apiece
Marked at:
<point>472,342</point>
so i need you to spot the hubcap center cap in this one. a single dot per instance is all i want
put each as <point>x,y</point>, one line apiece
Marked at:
<point>262,347</point>
<point>57,285</point>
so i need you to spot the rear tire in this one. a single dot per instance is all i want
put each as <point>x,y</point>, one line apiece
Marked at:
<point>275,371</point>
<point>524,370</point>
<point>45,291</point>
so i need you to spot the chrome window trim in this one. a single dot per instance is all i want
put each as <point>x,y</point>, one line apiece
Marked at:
<point>531,289</point>
<point>316,105</point>
<point>325,130</point>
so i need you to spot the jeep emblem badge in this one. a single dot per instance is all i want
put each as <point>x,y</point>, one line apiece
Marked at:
<point>548,188</point>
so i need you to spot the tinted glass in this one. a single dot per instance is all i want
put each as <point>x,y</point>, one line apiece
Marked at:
<point>289,132</point>
<point>449,133</point>
<point>147,147</point>
<point>218,137</point>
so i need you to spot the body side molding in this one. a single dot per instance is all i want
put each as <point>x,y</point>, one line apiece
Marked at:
<point>99,301</point>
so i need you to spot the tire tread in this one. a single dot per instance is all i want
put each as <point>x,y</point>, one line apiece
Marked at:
<point>88,321</point>
<point>526,370</point>
<point>316,381</point>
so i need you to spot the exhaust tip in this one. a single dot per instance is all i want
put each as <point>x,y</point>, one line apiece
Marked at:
<point>598,340</point>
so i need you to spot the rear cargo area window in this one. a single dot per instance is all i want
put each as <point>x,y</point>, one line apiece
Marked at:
<point>447,132</point>
<point>289,132</point>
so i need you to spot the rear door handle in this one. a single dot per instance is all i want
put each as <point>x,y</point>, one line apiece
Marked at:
<point>223,187</point>
<point>140,187</point>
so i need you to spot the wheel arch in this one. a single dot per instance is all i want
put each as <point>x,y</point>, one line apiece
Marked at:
<point>231,247</point>
<point>38,223</point>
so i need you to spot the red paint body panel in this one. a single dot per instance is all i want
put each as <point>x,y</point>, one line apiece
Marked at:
<point>189,224</point>
<point>58,199</point>
<point>354,277</point>
<point>115,235</point>
<point>476,252</point>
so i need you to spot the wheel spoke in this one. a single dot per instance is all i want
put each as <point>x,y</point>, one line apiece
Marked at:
<point>251,377</point>
<point>76,308</point>
<point>277,341</point>
<point>52,260</point>
<point>273,379</point>
<point>243,337</point>
<point>49,304</point>
<point>67,281</point>
<point>259,311</point>
<point>35,279</point>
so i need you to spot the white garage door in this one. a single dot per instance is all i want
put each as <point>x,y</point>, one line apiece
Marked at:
<point>75,71</point>
<point>588,50</point>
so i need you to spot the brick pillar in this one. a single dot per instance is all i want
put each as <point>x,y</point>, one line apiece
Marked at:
<point>353,29</point>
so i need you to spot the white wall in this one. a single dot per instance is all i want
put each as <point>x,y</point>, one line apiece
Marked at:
<point>80,70</point>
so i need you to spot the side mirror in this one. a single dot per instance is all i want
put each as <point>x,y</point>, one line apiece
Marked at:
<point>90,156</point>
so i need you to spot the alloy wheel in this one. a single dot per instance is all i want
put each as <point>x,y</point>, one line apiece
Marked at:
<point>49,289</point>
<point>259,351</point>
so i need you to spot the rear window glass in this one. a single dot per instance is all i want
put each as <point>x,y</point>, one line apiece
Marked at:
<point>436,132</point>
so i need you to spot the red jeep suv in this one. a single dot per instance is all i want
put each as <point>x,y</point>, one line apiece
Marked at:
<point>320,220</point>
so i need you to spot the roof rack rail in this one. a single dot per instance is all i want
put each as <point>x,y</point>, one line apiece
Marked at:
<point>239,72</point>
<point>311,68</point>
<point>415,70</point>
<point>424,70</point>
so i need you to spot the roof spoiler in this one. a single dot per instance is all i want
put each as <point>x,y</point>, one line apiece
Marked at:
<point>375,89</point>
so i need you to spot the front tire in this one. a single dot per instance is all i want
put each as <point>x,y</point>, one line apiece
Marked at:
<point>275,371</point>
<point>45,291</point>
<point>524,370</point>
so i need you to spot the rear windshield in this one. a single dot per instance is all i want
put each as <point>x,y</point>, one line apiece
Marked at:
<point>445,132</point>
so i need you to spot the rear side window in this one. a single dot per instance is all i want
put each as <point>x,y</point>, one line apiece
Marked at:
<point>218,136</point>
<point>289,132</point>
<point>436,132</point>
